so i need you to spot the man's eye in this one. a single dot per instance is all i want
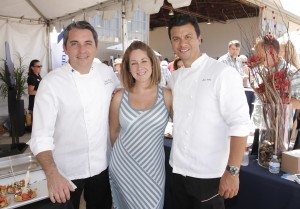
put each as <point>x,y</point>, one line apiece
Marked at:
<point>188,37</point>
<point>175,39</point>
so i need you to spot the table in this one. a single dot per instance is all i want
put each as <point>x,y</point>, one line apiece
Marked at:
<point>260,189</point>
<point>19,164</point>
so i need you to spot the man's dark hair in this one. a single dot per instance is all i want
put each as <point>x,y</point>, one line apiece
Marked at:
<point>183,19</point>
<point>80,25</point>
<point>32,63</point>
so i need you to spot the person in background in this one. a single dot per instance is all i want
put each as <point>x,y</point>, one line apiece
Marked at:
<point>117,66</point>
<point>106,62</point>
<point>138,117</point>
<point>171,64</point>
<point>268,49</point>
<point>246,83</point>
<point>33,81</point>
<point>165,73</point>
<point>210,126</point>
<point>246,70</point>
<point>160,57</point>
<point>178,63</point>
<point>288,52</point>
<point>70,133</point>
<point>231,58</point>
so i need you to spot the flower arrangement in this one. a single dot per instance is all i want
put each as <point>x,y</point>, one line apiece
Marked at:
<point>272,79</point>
<point>271,86</point>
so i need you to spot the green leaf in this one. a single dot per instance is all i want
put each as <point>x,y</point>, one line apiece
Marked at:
<point>20,79</point>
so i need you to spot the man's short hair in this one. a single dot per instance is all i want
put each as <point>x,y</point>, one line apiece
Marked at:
<point>80,25</point>
<point>236,43</point>
<point>183,19</point>
<point>263,44</point>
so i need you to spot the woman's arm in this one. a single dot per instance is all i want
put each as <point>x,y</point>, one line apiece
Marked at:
<point>31,90</point>
<point>168,101</point>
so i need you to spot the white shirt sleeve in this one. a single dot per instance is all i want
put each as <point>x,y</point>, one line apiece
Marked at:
<point>44,117</point>
<point>233,103</point>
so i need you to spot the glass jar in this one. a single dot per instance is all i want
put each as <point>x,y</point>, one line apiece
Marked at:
<point>275,126</point>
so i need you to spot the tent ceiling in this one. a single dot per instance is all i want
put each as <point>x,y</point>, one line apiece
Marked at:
<point>43,10</point>
<point>204,10</point>
<point>52,10</point>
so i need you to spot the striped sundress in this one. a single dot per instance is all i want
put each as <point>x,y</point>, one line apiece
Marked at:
<point>137,166</point>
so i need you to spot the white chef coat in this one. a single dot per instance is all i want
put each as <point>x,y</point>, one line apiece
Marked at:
<point>70,118</point>
<point>209,106</point>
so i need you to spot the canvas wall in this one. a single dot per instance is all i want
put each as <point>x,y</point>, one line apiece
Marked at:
<point>30,41</point>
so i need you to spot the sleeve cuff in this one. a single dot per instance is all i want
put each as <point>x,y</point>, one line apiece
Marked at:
<point>38,145</point>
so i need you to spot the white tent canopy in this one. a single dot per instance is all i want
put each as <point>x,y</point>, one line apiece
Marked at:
<point>54,11</point>
<point>26,24</point>
<point>21,19</point>
<point>44,9</point>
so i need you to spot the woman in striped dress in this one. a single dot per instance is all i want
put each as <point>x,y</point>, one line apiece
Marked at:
<point>138,117</point>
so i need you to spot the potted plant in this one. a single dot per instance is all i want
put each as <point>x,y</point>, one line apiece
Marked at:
<point>20,79</point>
<point>20,87</point>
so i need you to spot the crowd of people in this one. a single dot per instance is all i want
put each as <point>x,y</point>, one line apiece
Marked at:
<point>98,131</point>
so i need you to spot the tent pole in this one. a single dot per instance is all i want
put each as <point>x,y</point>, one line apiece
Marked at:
<point>124,28</point>
<point>49,54</point>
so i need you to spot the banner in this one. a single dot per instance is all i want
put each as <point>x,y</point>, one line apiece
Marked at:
<point>59,57</point>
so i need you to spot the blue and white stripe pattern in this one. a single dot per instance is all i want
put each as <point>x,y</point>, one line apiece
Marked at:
<point>137,167</point>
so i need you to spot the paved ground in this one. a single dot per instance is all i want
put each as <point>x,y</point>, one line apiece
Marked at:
<point>6,139</point>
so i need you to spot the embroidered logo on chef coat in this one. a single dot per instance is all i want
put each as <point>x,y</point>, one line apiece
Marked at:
<point>206,79</point>
<point>108,81</point>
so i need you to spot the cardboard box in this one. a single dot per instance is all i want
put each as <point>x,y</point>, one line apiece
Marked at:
<point>290,162</point>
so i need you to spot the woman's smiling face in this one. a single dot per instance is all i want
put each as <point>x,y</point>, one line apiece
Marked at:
<point>140,66</point>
